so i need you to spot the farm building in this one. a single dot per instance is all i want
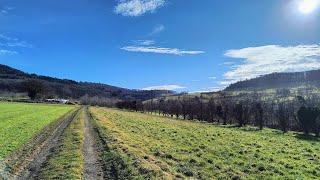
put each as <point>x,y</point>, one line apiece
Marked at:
<point>60,101</point>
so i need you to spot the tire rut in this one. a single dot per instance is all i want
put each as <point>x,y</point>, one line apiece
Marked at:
<point>31,170</point>
<point>92,166</point>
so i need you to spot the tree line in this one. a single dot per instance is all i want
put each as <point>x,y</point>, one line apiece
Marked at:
<point>297,114</point>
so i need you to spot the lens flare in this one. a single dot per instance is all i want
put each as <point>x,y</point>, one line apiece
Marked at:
<point>308,6</point>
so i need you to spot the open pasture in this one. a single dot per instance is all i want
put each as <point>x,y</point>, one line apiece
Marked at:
<point>153,147</point>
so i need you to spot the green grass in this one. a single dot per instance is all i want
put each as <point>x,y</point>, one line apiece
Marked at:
<point>67,160</point>
<point>20,122</point>
<point>159,147</point>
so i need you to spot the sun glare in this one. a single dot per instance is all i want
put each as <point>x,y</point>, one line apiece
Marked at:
<point>308,6</point>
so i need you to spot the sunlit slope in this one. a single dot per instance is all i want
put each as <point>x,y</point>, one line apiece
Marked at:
<point>153,146</point>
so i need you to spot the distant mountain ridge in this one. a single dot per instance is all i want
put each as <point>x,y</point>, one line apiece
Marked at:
<point>11,80</point>
<point>279,80</point>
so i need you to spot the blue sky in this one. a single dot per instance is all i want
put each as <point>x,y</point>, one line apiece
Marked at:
<point>153,44</point>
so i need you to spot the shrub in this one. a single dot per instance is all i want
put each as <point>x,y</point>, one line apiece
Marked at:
<point>307,118</point>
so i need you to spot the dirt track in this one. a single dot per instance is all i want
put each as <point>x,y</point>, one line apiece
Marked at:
<point>92,168</point>
<point>31,170</point>
<point>27,162</point>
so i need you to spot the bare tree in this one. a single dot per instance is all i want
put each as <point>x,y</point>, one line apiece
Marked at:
<point>34,88</point>
<point>283,118</point>
<point>259,115</point>
<point>239,114</point>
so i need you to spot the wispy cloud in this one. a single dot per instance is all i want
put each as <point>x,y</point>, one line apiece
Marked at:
<point>138,7</point>
<point>165,87</point>
<point>226,82</point>
<point>8,45</point>
<point>213,78</point>
<point>7,38</point>
<point>196,92</point>
<point>160,50</point>
<point>148,46</point>
<point>210,89</point>
<point>5,10</point>
<point>7,52</point>
<point>215,89</point>
<point>228,63</point>
<point>7,41</point>
<point>272,58</point>
<point>19,44</point>
<point>157,29</point>
<point>144,42</point>
<point>195,80</point>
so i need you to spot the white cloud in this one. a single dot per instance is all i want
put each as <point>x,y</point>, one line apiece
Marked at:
<point>215,89</point>
<point>160,50</point>
<point>226,83</point>
<point>196,92</point>
<point>272,58</point>
<point>159,28</point>
<point>19,44</point>
<point>228,63</point>
<point>7,38</point>
<point>207,90</point>
<point>145,42</point>
<point>213,77</point>
<point>165,87</point>
<point>5,10</point>
<point>138,7</point>
<point>148,46</point>
<point>9,44</point>
<point>7,52</point>
<point>7,41</point>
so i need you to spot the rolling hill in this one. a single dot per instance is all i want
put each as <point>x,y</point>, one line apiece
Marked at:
<point>12,80</point>
<point>279,80</point>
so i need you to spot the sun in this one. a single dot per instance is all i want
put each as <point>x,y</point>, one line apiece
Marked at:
<point>308,6</point>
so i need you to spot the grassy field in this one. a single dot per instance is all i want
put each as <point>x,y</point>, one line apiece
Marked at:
<point>67,160</point>
<point>157,147</point>
<point>20,122</point>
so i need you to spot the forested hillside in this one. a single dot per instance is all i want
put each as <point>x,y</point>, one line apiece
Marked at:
<point>279,80</point>
<point>14,81</point>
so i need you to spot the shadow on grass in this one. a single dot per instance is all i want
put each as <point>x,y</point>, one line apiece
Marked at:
<point>307,137</point>
<point>244,128</point>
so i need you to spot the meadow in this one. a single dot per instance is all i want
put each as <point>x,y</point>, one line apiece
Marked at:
<point>149,146</point>
<point>20,122</point>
